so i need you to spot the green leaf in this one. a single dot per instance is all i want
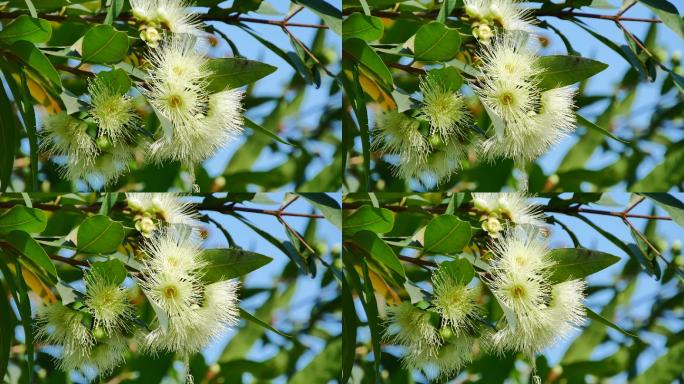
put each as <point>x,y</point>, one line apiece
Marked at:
<point>666,174</point>
<point>6,328</point>
<point>459,269</point>
<point>229,263</point>
<point>99,234</point>
<point>667,13</point>
<point>114,270</point>
<point>578,263</point>
<point>259,129</point>
<point>22,218</point>
<point>368,28</point>
<point>34,58</point>
<point>666,369</point>
<point>24,305</point>
<point>446,234</point>
<point>26,28</point>
<point>378,250</point>
<point>25,245</point>
<point>595,316</point>
<point>249,317</point>
<point>9,139</point>
<point>449,77</point>
<point>229,73</point>
<point>673,206</point>
<point>378,220</point>
<point>369,59</point>
<point>436,42</point>
<point>560,71</point>
<point>583,121</point>
<point>105,45</point>
<point>117,79</point>
<point>350,323</point>
<point>329,207</point>
<point>330,15</point>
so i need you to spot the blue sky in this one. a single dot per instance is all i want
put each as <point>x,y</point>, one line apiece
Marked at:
<point>272,85</point>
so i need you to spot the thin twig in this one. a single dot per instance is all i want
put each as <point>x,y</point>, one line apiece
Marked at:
<point>308,52</point>
<point>420,262</point>
<point>626,211</point>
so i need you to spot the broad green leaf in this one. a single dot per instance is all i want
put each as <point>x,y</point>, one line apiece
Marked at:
<point>369,60</point>
<point>34,58</point>
<point>229,73</point>
<point>595,316</point>
<point>449,77</point>
<point>117,79</point>
<point>229,263</point>
<point>364,27</point>
<point>326,11</point>
<point>436,42</point>
<point>446,234</point>
<point>26,28</point>
<point>22,218</point>
<point>99,234</point>
<point>328,206</point>
<point>668,14</point>
<point>583,121</point>
<point>560,71</point>
<point>350,323</point>
<point>578,263</point>
<point>249,317</point>
<point>673,206</point>
<point>25,245</point>
<point>666,369</point>
<point>114,270</point>
<point>666,174</point>
<point>378,250</point>
<point>105,45</point>
<point>24,305</point>
<point>259,129</point>
<point>460,269</point>
<point>379,220</point>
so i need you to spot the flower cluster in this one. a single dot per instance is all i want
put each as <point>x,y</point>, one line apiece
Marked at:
<point>532,119</point>
<point>430,149</point>
<point>92,334</point>
<point>170,15</point>
<point>500,211</point>
<point>429,142</point>
<point>537,312</point>
<point>443,334</point>
<point>440,336</point>
<point>197,121</point>
<point>190,312</point>
<point>96,147</point>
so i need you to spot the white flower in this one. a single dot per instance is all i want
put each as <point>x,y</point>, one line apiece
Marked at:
<point>112,111</point>
<point>396,133</point>
<point>104,169</point>
<point>536,313</point>
<point>107,302</point>
<point>440,161</point>
<point>455,302</point>
<point>168,207</point>
<point>209,133</point>
<point>101,359</point>
<point>194,313</point>
<point>65,327</point>
<point>175,16</point>
<point>411,328</point>
<point>532,119</point>
<point>498,14</point>
<point>511,207</point>
<point>144,10</point>
<point>451,357</point>
<point>66,136</point>
<point>443,108</point>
